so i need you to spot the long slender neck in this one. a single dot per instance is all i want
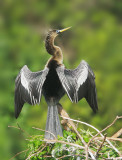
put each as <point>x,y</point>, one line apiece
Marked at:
<point>55,51</point>
<point>49,44</point>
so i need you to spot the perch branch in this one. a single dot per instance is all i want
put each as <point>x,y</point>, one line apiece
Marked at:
<point>62,112</point>
<point>70,124</point>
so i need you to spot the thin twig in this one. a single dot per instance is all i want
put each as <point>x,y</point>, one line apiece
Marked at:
<point>19,154</point>
<point>117,117</point>
<point>101,146</point>
<point>45,131</point>
<point>117,158</point>
<point>20,129</point>
<point>109,138</point>
<point>64,156</point>
<point>99,132</point>
<point>46,156</point>
<point>23,130</point>
<point>117,134</point>
<point>36,152</point>
<point>39,148</point>
<point>63,142</point>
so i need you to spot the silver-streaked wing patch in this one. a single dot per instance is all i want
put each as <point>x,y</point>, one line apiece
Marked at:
<point>66,83</point>
<point>28,87</point>
<point>79,83</point>
<point>82,76</point>
<point>24,81</point>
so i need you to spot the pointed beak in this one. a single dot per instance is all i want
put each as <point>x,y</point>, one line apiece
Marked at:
<point>62,30</point>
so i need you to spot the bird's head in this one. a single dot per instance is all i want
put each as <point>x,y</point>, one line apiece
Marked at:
<point>49,42</point>
<point>55,32</point>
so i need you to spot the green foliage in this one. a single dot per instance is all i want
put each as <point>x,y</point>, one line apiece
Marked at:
<point>64,149</point>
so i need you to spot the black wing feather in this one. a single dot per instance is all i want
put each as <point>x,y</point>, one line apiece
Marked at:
<point>28,88</point>
<point>79,83</point>
<point>68,84</point>
<point>91,95</point>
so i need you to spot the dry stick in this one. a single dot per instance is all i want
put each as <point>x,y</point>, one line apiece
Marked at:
<point>99,132</point>
<point>36,152</point>
<point>20,129</point>
<point>45,131</point>
<point>109,138</point>
<point>19,153</point>
<point>117,117</point>
<point>117,134</point>
<point>39,148</point>
<point>69,156</point>
<point>101,146</point>
<point>46,156</point>
<point>23,130</point>
<point>117,158</point>
<point>29,136</point>
<point>70,123</point>
<point>26,134</point>
<point>63,142</point>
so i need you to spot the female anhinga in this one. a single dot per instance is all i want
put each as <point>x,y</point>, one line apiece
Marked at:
<point>53,82</point>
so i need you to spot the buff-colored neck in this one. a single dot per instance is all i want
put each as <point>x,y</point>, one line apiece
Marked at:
<point>55,51</point>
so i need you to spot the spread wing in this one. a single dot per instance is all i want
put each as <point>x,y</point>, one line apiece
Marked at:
<point>28,88</point>
<point>79,83</point>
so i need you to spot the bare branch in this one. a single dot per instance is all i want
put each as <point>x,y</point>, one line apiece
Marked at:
<point>45,131</point>
<point>110,138</point>
<point>101,146</point>
<point>20,129</point>
<point>99,132</point>
<point>74,155</point>
<point>117,134</point>
<point>36,152</point>
<point>63,142</point>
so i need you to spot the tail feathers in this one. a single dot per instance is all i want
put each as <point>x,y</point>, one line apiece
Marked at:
<point>53,126</point>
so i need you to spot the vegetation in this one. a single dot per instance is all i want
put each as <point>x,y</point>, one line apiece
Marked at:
<point>96,37</point>
<point>39,150</point>
<point>83,144</point>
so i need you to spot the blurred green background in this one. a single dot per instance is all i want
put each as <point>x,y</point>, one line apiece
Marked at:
<point>95,36</point>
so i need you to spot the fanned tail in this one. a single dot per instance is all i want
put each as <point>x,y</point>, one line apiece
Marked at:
<point>53,123</point>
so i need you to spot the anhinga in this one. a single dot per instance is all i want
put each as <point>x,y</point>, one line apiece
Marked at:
<point>53,82</point>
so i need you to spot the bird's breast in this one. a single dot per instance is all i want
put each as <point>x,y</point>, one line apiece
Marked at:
<point>52,88</point>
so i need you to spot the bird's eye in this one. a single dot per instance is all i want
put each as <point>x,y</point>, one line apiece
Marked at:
<point>57,31</point>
